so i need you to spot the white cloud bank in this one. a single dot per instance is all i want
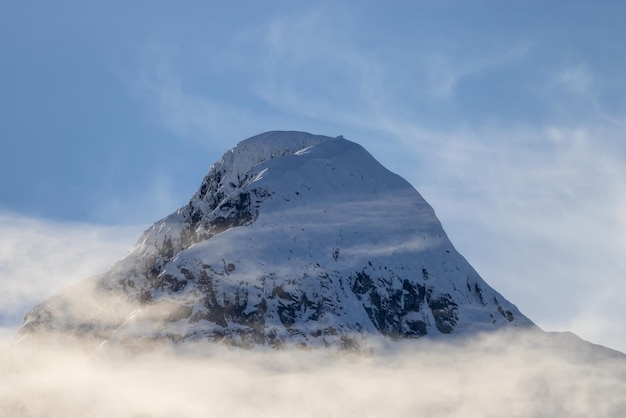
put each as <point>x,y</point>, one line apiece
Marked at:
<point>39,258</point>
<point>491,376</point>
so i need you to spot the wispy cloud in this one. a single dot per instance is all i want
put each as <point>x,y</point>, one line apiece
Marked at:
<point>186,115</point>
<point>161,195</point>
<point>202,118</point>
<point>577,79</point>
<point>39,258</point>
<point>311,69</point>
<point>578,91</point>
<point>445,71</point>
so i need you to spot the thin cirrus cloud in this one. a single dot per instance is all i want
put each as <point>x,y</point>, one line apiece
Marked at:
<point>444,72</point>
<point>577,78</point>
<point>591,94</point>
<point>185,114</point>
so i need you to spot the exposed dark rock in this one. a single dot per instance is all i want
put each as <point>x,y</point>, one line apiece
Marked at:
<point>445,312</point>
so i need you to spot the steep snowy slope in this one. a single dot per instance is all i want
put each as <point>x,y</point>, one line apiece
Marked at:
<point>292,238</point>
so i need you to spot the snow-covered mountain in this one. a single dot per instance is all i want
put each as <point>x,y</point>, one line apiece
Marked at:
<point>291,239</point>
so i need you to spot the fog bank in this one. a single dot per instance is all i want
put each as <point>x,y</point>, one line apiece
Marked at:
<point>491,375</point>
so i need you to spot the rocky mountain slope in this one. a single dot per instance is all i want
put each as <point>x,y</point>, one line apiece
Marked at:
<point>291,239</point>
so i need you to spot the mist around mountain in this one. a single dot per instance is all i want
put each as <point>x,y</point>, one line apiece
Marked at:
<point>504,373</point>
<point>338,281</point>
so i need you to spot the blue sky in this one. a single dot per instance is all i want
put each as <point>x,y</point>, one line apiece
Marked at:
<point>508,117</point>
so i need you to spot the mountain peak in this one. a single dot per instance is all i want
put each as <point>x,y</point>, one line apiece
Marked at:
<point>259,148</point>
<point>292,238</point>
<point>289,141</point>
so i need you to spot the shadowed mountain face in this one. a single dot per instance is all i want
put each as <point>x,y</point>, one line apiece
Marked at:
<point>291,239</point>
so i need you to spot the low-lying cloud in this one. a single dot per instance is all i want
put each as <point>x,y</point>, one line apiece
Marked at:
<point>515,375</point>
<point>39,258</point>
